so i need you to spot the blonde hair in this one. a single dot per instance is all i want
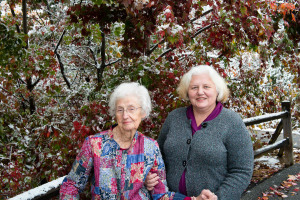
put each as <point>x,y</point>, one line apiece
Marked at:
<point>130,89</point>
<point>221,86</point>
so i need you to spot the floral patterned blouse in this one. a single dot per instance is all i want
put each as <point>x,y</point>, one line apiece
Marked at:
<point>117,173</point>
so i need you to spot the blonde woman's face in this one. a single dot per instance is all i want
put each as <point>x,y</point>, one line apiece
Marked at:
<point>202,92</point>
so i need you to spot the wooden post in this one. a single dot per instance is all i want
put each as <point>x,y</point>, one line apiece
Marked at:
<point>287,133</point>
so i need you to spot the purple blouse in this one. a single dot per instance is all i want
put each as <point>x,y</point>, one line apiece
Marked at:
<point>190,115</point>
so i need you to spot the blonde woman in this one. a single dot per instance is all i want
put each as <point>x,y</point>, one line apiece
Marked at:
<point>204,145</point>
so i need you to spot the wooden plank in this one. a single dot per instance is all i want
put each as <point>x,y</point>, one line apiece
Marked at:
<point>265,118</point>
<point>287,133</point>
<point>271,147</point>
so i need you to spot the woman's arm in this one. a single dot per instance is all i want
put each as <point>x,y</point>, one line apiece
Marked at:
<point>161,191</point>
<point>240,160</point>
<point>76,180</point>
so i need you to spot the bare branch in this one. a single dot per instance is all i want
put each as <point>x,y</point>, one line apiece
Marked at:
<point>10,93</point>
<point>48,11</point>
<point>62,68</point>
<point>164,53</point>
<point>201,30</point>
<point>86,61</point>
<point>103,59</point>
<point>36,82</point>
<point>24,10</point>
<point>162,41</point>
<point>108,64</point>
<point>40,19</point>
<point>203,14</point>
<point>154,47</point>
<point>60,39</point>
<point>94,57</point>
<point>196,34</point>
<point>14,15</point>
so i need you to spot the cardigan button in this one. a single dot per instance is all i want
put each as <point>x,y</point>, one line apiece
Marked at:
<point>184,163</point>
<point>188,141</point>
<point>204,125</point>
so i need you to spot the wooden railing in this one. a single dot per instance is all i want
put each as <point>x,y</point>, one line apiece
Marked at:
<point>285,145</point>
<point>51,189</point>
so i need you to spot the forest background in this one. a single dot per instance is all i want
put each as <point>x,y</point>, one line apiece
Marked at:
<point>60,60</point>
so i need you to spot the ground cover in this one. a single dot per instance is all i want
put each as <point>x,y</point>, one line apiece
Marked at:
<point>268,165</point>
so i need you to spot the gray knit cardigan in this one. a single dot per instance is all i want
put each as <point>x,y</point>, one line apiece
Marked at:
<point>219,157</point>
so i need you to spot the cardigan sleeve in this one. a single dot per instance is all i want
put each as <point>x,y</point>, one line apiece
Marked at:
<point>163,134</point>
<point>161,190</point>
<point>240,160</point>
<point>77,179</point>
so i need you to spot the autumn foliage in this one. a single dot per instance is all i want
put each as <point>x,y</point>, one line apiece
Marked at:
<point>60,60</point>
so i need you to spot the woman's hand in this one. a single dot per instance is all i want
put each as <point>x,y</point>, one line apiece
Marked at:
<point>206,195</point>
<point>151,181</point>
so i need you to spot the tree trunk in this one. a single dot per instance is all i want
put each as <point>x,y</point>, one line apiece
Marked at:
<point>100,69</point>
<point>29,83</point>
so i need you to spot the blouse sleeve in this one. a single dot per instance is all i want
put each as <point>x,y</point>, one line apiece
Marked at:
<point>161,190</point>
<point>77,179</point>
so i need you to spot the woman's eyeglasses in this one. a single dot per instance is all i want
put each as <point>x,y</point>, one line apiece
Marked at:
<point>129,110</point>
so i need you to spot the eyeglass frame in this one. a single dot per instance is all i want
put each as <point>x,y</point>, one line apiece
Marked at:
<point>129,112</point>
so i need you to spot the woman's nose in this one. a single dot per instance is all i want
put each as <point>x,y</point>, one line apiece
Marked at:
<point>125,114</point>
<point>200,90</point>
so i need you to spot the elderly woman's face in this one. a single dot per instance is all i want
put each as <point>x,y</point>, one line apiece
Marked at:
<point>129,113</point>
<point>202,92</point>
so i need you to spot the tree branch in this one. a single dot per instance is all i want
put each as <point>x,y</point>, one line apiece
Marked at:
<point>154,47</point>
<point>164,53</point>
<point>201,30</point>
<point>36,82</point>
<point>59,41</point>
<point>48,11</point>
<point>10,93</point>
<point>87,61</point>
<point>103,59</point>
<point>94,57</point>
<point>14,15</point>
<point>196,34</point>
<point>25,28</point>
<point>108,64</point>
<point>162,41</point>
<point>62,68</point>
<point>203,14</point>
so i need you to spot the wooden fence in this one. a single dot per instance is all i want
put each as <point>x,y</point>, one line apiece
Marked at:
<point>51,189</point>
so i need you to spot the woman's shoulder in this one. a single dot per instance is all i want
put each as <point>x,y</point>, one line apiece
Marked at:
<point>148,140</point>
<point>178,112</point>
<point>102,134</point>
<point>231,116</point>
<point>228,112</point>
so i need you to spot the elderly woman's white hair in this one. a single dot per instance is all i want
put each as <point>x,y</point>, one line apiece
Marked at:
<point>130,89</point>
<point>221,86</point>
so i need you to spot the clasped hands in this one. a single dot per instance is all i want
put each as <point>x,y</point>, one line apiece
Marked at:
<point>152,180</point>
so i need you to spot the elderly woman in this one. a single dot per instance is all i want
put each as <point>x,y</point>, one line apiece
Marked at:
<point>215,147</point>
<point>118,159</point>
